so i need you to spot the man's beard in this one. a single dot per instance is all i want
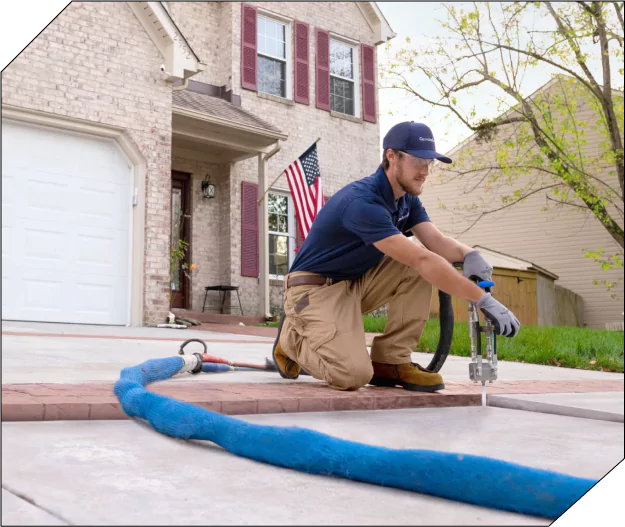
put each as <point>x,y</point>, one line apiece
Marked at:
<point>399,176</point>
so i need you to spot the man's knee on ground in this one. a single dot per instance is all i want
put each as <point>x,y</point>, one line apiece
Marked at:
<point>357,376</point>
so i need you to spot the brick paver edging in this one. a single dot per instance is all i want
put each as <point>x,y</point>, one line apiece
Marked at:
<point>53,402</point>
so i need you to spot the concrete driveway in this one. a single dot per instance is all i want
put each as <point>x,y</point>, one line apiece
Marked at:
<point>123,472</point>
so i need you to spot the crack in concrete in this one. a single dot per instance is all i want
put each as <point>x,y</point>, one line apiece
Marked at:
<point>13,390</point>
<point>32,501</point>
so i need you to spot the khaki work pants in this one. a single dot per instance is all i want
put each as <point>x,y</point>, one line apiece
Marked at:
<point>323,330</point>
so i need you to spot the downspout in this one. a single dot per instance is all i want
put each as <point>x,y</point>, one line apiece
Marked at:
<point>263,224</point>
<point>183,86</point>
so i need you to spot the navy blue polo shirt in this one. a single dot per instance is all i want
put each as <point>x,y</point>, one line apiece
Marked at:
<point>340,242</point>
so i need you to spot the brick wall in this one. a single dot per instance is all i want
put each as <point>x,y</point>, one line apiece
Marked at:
<point>348,150</point>
<point>206,26</point>
<point>95,62</point>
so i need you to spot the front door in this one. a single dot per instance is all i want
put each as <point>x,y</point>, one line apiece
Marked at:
<point>180,240</point>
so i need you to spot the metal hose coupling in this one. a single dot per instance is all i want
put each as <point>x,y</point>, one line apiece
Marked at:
<point>192,363</point>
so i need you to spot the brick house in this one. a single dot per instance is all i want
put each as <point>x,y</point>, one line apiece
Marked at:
<point>119,116</point>
<point>536,229</point>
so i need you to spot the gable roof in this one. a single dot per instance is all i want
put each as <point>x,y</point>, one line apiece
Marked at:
<point>181,62</point>
<point>377,22</point>
<point>506,261</point>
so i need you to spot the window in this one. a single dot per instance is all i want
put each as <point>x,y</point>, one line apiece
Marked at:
<point>343,91</point>
<point>273,50</point>
<point>281,234</point>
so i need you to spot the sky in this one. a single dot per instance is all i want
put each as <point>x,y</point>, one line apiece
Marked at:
<point>414,19</point>
<point>420,20</point>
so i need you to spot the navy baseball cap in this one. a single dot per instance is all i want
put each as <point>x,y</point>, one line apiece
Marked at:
<point>414,138</point>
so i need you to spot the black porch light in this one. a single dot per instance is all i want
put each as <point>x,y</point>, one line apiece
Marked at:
<point>208,187</point>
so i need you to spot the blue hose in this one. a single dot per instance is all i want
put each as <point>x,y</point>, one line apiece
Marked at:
<point>462,477</point>
<point>215,367</point>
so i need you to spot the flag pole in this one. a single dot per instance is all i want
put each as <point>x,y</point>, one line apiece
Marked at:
<point>269,186</point>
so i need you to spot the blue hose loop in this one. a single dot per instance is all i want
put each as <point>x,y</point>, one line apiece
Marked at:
<point>467,478</point>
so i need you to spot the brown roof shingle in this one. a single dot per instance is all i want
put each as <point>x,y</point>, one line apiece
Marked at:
<point>217,107</point>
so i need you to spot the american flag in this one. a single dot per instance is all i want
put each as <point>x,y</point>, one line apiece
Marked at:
<point>305,183</point>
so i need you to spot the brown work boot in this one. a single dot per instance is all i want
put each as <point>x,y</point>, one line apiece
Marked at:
<point>287,368</point>
<point>409,375</point>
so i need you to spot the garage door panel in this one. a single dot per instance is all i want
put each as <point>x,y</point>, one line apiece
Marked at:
<point>99,173</point>
<point>8,216</point>
<point>62,297</point>
<point>40,296</point>
<point>42,196</point>
<point>94,299</point>
<point>99,252</point>
<point>47,197</point>
<point>66,227</point>
<point>103,156</point>
<point>8,197</point>
<point>8,184</point>
<point>103,204</point>
<point>44,249</point>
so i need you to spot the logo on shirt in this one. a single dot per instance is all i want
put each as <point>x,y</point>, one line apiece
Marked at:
<point>403,218</point>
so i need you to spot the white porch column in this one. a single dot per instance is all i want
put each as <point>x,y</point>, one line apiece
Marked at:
<point>263,237</point>
<point>263,230</point>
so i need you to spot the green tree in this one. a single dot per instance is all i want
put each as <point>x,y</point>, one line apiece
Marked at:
<point>538,141</point>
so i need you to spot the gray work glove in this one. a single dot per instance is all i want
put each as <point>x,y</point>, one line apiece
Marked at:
<point>505,322</point>
<point>475,266</point>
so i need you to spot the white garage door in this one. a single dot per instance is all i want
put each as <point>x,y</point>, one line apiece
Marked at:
<point>66,213</point>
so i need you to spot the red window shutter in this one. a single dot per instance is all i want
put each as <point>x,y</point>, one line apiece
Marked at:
<point>322,69</point>
<point>249,58</point>
<point>368,83</point>
<point>301,63</point>
<point>249,229</point>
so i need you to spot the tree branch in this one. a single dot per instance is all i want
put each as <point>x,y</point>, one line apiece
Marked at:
<point>619,15</point>
<point>581,206</point>
<point>544,59</point>
<point>585,209</point>
<point>587,8</point>
<point>578,54</point>
<point>526,168</point>
<point>408,88</point>
<point>611,120</point>
<point>485,213</point>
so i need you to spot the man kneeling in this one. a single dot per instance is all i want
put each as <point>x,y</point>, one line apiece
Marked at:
<point>357,258</point>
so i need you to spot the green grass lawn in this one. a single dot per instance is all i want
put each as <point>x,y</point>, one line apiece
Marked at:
<point>589,349</point>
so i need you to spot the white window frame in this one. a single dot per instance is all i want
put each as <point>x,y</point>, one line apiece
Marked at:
<point>291,234</point>
<point>288,51</point>
<point>355,45</point>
